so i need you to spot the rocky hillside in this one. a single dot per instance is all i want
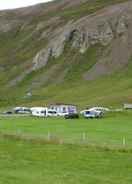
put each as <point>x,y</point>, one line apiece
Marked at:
<point>67,51</point>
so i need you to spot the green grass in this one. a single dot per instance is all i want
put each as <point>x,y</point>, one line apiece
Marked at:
<point>31,161</point>
<point>111,90</point>
<point>108,131</point>
<point>66,164</point>
<point>86,8</point>
<point>55,150</point>
<point>78,11</point>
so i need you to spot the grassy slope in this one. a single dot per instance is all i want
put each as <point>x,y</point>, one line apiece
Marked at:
<point>112,90</point>
<point>17,49</point>
<point>76,11</point>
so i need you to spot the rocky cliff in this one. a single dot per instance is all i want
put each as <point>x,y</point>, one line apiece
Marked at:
<point>110,27</point>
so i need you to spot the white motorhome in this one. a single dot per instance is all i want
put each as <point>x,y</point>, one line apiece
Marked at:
<point>39,111</point>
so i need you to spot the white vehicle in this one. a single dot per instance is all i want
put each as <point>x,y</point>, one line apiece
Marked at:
<point>22,110</point>
<point>39,111</point>
<point>63,109</point>
<point>102,109</point>
<point>93,114</point>
<point>83,111</point>
<point>62,114</point>
<point>52,113</point>
<point>43,112</point>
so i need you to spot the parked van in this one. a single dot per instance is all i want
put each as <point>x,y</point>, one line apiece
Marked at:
<point>101,109</point>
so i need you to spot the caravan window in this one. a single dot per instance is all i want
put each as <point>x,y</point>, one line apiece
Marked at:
<point>64,109</point>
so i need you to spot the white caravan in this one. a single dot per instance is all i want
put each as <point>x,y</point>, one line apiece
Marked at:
<point>52,113</point>
<point>64,109</point>
<point>43,112</point>
<point>39,111</point>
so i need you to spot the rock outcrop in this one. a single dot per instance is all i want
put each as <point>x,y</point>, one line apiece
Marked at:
<point>108,27</point>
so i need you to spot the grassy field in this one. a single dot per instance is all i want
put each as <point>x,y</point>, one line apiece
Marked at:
<point>25,158</point>
<point>55,150</point>
<point>31,163</point>
<point>109,131</point>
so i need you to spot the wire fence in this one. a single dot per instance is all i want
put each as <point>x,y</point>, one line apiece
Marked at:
<point>81,139</point>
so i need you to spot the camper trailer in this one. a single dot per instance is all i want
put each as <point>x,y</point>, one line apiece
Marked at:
<point>39,111</point>
<point>43,112</point>
<point>64,109</point>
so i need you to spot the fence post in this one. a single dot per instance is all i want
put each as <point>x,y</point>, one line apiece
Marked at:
<point>61,141</point>
<point>124,141</point>
<point>49,136</point>
<point>84,136</point>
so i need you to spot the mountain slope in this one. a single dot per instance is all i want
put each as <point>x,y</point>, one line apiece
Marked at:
<point>67,51</point>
